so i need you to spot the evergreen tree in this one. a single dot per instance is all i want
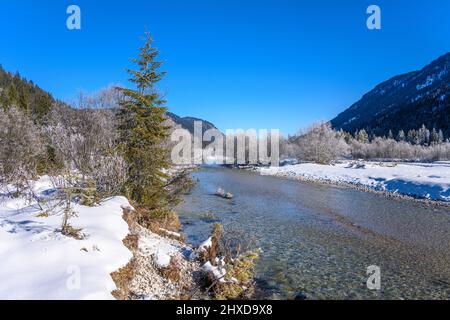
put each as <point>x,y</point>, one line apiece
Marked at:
<point>413,137</point>
<point>434,137</point>
<point>401,135</point>
<point>25,95</point>
<point>142,132</point>
<point>390,135</point>
<point>423,136</point>
<point>440,136</point>
<point>362,136</point>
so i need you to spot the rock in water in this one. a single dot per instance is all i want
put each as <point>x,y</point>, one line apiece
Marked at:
<point>222,193</point>
<point>229,196</point>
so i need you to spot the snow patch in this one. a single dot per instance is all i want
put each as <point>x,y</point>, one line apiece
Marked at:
<point>428,82</point>
<point>206,244</point>
<point>162,249</point>
<point>218,273</point>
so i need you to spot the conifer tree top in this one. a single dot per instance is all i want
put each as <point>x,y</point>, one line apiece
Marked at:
<point>148,75</point>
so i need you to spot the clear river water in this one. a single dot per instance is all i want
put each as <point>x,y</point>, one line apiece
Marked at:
<point>319,240</point>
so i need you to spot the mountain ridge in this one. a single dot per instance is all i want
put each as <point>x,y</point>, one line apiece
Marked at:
<point>18,91</point>
<point>404,102</point>
<point>188,122</point>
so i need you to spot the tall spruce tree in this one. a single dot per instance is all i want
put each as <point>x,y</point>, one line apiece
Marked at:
<point>142,132</point>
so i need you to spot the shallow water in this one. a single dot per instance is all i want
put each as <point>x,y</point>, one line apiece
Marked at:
<point>319,240</point>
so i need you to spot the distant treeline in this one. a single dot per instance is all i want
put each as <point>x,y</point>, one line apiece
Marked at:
<point>322,144</point>
<point>422,136</point>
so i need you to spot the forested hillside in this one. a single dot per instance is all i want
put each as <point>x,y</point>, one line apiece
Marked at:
<point>23,94</point>
<point>404,103</point>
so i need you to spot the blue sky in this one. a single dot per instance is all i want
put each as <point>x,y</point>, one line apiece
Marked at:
<point>240,64</point>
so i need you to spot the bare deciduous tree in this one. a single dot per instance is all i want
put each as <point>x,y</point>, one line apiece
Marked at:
<point>85,141</point>
<point>21,148</point>
<point>321,144</point>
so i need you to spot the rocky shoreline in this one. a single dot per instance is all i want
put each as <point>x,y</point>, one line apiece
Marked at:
<point>355,186</point>
<point>160,268</point>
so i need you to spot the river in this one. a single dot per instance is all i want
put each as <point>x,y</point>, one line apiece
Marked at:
<point>319,240</point>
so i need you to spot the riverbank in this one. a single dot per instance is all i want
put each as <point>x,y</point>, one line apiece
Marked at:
<point>160,269</point>
<point>426,182</point>
<point>111,257</point>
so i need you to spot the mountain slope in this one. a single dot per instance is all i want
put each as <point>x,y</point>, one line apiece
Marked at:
<point>188,122</point>
<point>24,94</point>
<point>404,102</point>
<point>19,92</point>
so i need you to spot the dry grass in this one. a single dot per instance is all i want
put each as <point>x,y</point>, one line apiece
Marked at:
<point>211,253</point>
<point>173,271</point>
<point>124,276</point>
<point>240,268</point>
<point>140,278</point>
<point>44,214</point>
<point>72,232</point>
<point>155,222</point>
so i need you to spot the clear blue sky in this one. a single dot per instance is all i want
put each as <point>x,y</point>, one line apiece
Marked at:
<point>240,64</point>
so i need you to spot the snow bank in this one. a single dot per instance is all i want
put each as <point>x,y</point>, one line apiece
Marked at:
<point>421,180</point>
<point>37,262</point>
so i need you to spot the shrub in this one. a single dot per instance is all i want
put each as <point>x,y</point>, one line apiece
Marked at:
<point>239,278</point>
<point>234,275</point>
<point>20,148</point>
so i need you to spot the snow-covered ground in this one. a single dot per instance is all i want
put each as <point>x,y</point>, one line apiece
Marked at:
<point>420,180</point>
<point>38,262</point>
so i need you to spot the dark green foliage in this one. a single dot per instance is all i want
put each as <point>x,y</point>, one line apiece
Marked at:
<point>25,95</point>
<point>404,102</point>
<point>111,146</point>
<point>142,132</point>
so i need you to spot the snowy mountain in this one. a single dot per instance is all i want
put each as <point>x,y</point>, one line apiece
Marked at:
<point>404,102</point>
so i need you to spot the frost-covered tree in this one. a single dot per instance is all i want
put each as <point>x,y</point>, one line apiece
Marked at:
<point>390,135</point>
<point>434,137</point>
<point>413,137</point>
<point>21,148</point>
<point>362,136</point>
<point>423,136</point>
<point>84,141</point>
<point>440,136</point>
<point>401,136</point>
<point>321,144</point>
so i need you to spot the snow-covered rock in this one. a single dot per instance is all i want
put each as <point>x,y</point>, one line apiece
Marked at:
<point>223,194</point>
<point>218,273</point>
<point>162,249</point>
